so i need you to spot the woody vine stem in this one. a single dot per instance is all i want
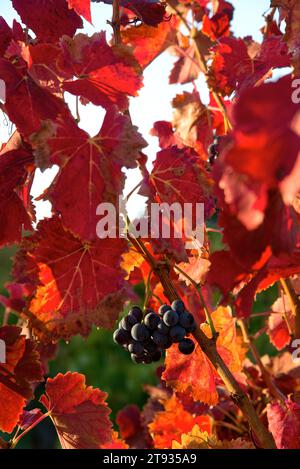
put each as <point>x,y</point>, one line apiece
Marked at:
<point>115,22</point>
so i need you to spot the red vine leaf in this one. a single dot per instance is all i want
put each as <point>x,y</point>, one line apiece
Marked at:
<point>92,163</point>
<point>42,63</point>
<point>150,12</point>
<point>230,275</point>
<point>181,371</point>
<point>20,371</point>
<point>27,103</point>
<point>253,195</point>
<point>56,18</point>
<point>182,374</point>
<point>194,122</point>
<point>186,68</point>
<point>290,12</point>
<point>269,273</point>
<point>225,271</point>
<point>104,75</point>
<point>149,42</point>
<point>254,134</point>
<point>166,135</point>
<point>82,8</point>
<point>79,412</point>
<point>243,63</point>
<point>198,264</point>
<point>278,330</point>
<point>197,439</point>
<point>178,176</point>
<point>131,425</point>
<point>115,443</point>
<point>219,24</point>
<point>16,299</point>
<point>284,423</point>
<point>169,424</point>
<point>78,283</point>
<point>5,36</point>
<point>15,167</point>
<point>129,421</point>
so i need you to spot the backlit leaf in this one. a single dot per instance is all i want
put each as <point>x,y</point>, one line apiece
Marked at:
<point>79,412</point>
<point>78,283</point>
<point>22,368</point>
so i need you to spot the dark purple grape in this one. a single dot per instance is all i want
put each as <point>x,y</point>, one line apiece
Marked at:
<point>137,313</point>
<point>136,348</point>
<point>156,356</point>
<point>186,320</point>
<point>191,328</point>
<point>186,346</point>
<point>163,328</point>
<point>128,321</point>
<point>121,337</point>
<point>163,309</point>
<point>151,320</point>
<point>160,339</point>
<point>139,332</point>
<point>137,358</point>
<point>147,359</point>
<point>170,318</point>
<point>168,343</point>
<point>150,346</point>
<point>178,306</point>
<point>177,333</point>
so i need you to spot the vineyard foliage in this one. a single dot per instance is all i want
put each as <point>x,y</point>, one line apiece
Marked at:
<point>238,154</point>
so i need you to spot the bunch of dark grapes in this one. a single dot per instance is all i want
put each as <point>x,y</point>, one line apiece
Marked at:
<point>146,337</point>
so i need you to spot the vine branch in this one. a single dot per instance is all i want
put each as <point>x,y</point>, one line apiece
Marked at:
<point>208,346</point>
<point>115,22</point>
<point>236,393</point>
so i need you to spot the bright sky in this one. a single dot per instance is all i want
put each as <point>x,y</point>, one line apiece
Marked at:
<point>153,102</point>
